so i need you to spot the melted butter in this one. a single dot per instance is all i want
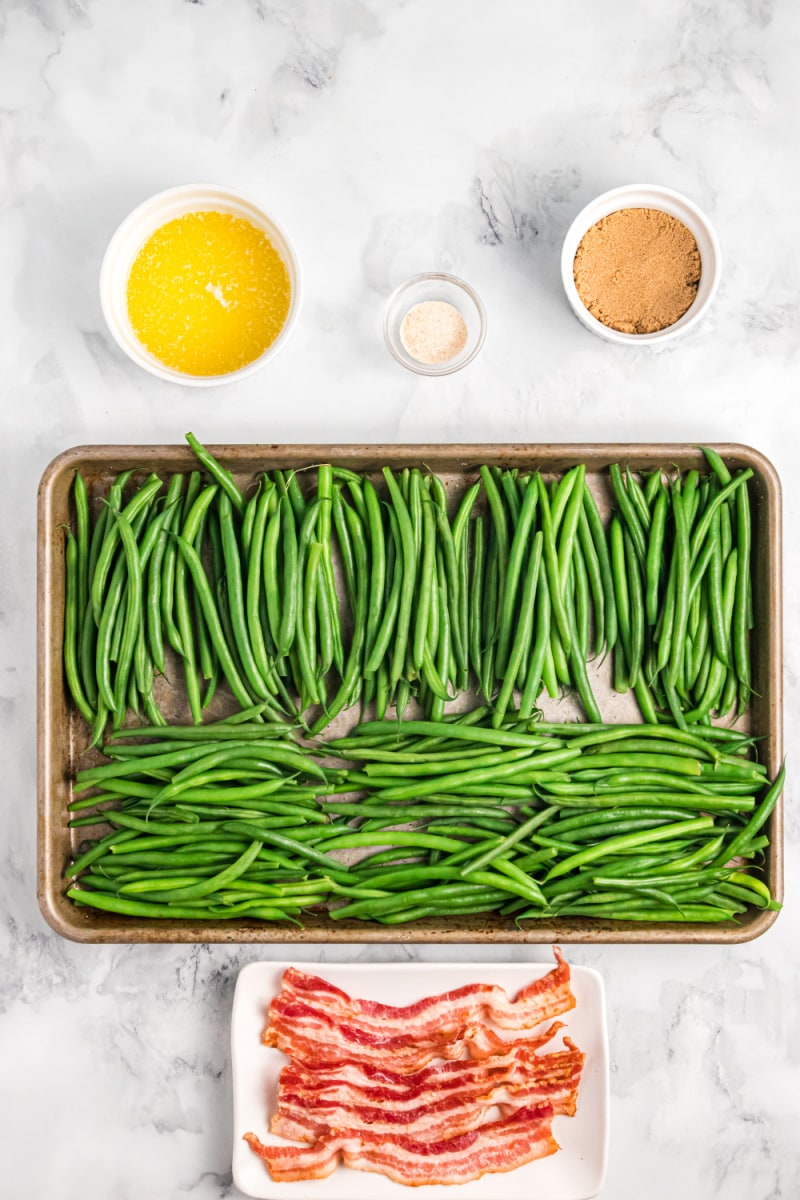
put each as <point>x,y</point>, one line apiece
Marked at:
<point>208,293</point>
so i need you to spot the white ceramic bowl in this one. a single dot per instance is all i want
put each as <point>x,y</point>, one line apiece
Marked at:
<point>134,232</point>
<point>435,285</point>
<point>645,195</point>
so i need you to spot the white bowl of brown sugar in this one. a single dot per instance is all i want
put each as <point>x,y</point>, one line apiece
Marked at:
<point>641,263</point>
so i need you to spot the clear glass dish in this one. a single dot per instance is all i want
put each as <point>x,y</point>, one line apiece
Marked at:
<point>435,285</point>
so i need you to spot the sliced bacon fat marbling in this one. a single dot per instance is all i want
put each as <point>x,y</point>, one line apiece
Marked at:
<point>541,1000</point>
<point>498,1146</point>
<point>312,1020</point>
<point>367,1083</point>
<point>306,1115</point>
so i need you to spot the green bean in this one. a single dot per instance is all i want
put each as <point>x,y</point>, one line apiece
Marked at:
<point>759,818</point>
<point>533,681</point>
<point>392,604</point>
<point>248,521</point>
<point>500,849</point>
<point>197,571</point>
<point>615,733</point>
<point>480,776</point>
<point>98,533</point>
<point>233,575</point>
<point>345,547</point>
<point>164,588</point>
<point>459,730</point>
<point>717,465</point>
<point>447,548</point>
<point>637,613</point>
<point>629,513</point>
<point>704,524</point>
<point>215,469</point>
<point>520,546</point>
<point>443,637</point>
<point>580,609</point>
<point>717,672</point>
<point>622,595</point>
<point>569,526</point>
<point>408,578</point>
<point>550,558</point>
<point>206,887</point>
<point>624,841</point>
<point>133,613</point>
<point>476,598</point>
<point>111,540</point>
<point>445,766</point>
<point>289,485</point>
<point>653,485</point>
<point>741,621</point>
<point>262,569</point>
<point>70,630</point>
<point>500,528</point>
<point>666,618</point>
<point>655,547</point>
<point>698,573</point>
<point>507,480</point>
<point>464,511</point>
<point>682,552</point>
<point>331,649</point>
<point>638,499</point>
<point>691,496</point>
<point>191,525</point>
<point>81,501</point>
<point>695,649</point>
<point>598,538</point>
<point>594,571</point>
<point>154,574</point>
<point>355,659</point>
<point>377,584</point>
<point>425,585</point>
<point>524,623</point>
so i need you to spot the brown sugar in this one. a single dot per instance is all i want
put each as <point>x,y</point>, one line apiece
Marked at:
<point>637,270</point>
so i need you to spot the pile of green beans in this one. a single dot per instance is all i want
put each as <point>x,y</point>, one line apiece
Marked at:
<point>436,818</point>
<point>680,553</point>
<point>510,594</point>
<point>218,822</point>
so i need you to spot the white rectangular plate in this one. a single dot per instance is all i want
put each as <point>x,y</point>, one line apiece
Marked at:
<point>575,1172</point>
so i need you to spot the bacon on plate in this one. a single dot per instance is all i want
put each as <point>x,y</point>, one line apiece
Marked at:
<point>500,1145</point>
<point>364,1082</point>
<point>312,1020</point>
<point>434,1092</point>
<point>447,1013</point>
<point>306,1116</point>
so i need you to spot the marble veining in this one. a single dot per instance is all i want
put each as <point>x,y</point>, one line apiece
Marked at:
<point>391,138</point>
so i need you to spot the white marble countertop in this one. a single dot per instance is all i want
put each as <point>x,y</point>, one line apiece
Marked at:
<point>391,137</point>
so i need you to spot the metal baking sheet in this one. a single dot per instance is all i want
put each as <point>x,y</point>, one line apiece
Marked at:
<point>63,737</point>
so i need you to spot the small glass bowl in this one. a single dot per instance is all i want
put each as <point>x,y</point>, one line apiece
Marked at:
<point>435,285</point>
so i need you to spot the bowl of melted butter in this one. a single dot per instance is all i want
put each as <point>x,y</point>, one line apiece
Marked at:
<point>200,286</point>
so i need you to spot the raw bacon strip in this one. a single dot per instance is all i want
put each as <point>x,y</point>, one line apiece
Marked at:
<point>311,1036</point>
<point>451,1012</point>
<point>497,1146</point>
<point>356,1084</point>
<point>308,1118</point>
<point>368,1083</point>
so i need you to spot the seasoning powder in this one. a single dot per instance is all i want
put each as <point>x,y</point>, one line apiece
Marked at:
<point>433,332</point>
<point>637,270</point>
